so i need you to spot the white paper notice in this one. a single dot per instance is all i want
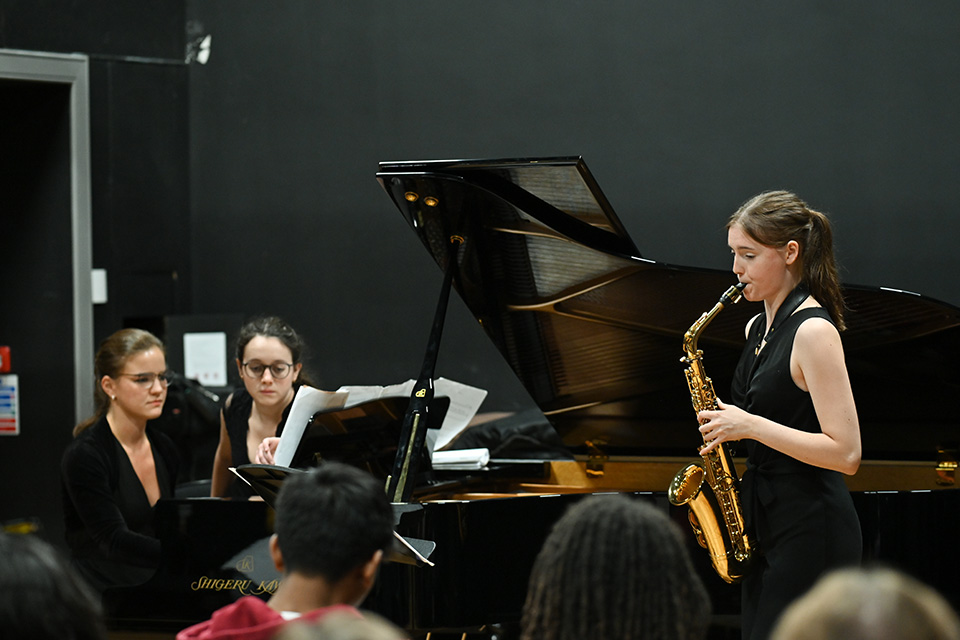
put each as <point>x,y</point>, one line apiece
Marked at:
<point>205,358</point>
<point>9,405</point>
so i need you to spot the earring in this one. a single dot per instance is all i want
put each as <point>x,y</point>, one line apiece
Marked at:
<point>113,397</point>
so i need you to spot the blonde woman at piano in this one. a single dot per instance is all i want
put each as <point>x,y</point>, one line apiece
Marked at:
<point>791,404</point>
<point>117,467</point>
<point>269,356</point>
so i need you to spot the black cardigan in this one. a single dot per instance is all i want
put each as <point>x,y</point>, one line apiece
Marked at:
<point>106,548</point>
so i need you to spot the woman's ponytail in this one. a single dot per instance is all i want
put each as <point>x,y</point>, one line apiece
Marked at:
<point>774,218</point>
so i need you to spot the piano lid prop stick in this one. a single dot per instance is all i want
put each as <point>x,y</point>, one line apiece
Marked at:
<point>413,433</point>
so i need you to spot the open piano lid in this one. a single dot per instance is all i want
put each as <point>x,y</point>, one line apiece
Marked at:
<point>593,330</point>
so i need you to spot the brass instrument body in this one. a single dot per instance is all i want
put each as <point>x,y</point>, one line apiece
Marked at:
<point>710,488</point>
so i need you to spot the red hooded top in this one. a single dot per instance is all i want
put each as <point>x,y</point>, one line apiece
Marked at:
<point>249,618</point>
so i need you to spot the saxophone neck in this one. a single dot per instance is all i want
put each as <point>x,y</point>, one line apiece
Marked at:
<point>690,341</point>
<point>730,296</point>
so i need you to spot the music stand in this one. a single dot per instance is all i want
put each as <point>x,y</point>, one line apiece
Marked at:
<point>266,480</point>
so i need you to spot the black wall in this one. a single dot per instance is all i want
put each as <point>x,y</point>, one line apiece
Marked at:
<point>36,296</point>
<point>138,160</point>
<point>140,191</point>
<point>139,157</point>
<point>247,185</point>
<point>682,110</point>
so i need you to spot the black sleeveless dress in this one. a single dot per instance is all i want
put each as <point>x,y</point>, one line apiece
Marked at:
<point>236,417</point>
<point>803,516</point>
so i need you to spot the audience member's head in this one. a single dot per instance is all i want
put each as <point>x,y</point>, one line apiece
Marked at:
<point>42,597</point>
<point>614,568</point>
<point>331,521</point>
<point>333,525</point>
<point>868,604</point>
<point>343,626</point>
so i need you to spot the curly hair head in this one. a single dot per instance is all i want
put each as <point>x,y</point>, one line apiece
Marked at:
<point>616,568</point>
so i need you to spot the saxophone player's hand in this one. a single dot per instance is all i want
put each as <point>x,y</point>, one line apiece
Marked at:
<point>726,423</point>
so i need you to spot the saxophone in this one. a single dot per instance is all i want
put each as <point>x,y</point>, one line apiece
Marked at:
<point>711,487</point>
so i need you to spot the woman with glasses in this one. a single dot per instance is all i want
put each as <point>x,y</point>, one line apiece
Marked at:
<point>269,355</point>
<point>118,467</point>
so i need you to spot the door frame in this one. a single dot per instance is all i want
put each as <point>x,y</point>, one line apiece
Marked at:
<point>73,70</point>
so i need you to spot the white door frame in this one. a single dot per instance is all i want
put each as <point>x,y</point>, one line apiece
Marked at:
<point>71,69</point>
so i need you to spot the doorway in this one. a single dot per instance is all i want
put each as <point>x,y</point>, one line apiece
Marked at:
<point>46,313</point>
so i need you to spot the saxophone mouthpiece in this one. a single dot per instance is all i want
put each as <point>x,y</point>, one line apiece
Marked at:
<point>732,295</point>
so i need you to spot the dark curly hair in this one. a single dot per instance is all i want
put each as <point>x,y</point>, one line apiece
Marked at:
<point>615,568</point>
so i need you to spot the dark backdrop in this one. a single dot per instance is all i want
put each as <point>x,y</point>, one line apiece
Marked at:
<point>246,185</point>
<point>138,162</point>
<point>682,110</point>
<point>36,296</point>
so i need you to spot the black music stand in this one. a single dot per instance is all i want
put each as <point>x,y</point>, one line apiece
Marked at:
<point>266,479</point>
<point>364,435</point>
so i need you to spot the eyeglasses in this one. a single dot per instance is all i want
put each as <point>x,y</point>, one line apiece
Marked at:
<point>146,380</point>
<point>278,370</point>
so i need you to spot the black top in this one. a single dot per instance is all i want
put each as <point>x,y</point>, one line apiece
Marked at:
<point>802,516</point>
<point>236,418</point>
<point>107,515</point>
<point>762,384</point>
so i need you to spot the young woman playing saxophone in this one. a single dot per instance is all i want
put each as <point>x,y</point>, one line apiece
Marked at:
<point>792,405</point>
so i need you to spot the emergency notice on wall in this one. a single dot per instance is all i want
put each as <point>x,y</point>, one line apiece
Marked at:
<point>9,405</point>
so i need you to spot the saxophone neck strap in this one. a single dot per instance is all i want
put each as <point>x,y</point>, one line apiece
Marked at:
<point>792,302</point>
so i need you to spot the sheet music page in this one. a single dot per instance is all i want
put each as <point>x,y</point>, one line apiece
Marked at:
<point>306,403</point>
<point>358,394</point>
<point>464,403</point>
<point>236,473</point>
<point>461,459</point>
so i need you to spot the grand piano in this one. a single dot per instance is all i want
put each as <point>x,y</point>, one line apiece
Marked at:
<point>593,330</point>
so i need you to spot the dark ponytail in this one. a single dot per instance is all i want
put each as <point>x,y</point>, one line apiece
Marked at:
<point>821,274</point>
<point>774,218</point>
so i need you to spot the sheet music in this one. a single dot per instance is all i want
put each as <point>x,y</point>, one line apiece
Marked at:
<point>358,394</point>
<point>307,402</point>
<point>464,403</point>
<point>234,471</point>
<point>461,459</point>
